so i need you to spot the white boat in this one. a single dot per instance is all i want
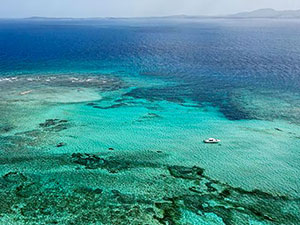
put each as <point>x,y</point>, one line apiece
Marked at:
<point>211,141</point>
<point>26,92</point>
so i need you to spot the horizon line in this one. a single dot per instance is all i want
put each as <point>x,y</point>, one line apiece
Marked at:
<point>234,15</point>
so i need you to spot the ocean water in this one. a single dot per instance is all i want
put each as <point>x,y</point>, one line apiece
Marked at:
<point>103,121</point>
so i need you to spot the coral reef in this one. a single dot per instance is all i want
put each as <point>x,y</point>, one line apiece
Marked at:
<point>32,199</point>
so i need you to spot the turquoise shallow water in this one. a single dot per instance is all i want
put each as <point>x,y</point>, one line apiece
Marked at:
<point>117,138</point>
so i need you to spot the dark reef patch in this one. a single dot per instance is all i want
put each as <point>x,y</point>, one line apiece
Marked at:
<point>156,94</point>
<point>113,106</point>
<point>91,104</point>
<point>5,128</point>
<point>30,133</point>
<point>186,172</point>
<point>14,177</point>
<point>225,99</point>
<point>177,94</point>
<point>35,137</point>
<point>149,116</point>
<point>170,212</point>
<point>88,160</point>
<point>54,125</point>
<point>232,112</point>
<point>111,164</point>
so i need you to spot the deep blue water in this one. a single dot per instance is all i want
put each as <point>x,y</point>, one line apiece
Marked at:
<point>202,56</point>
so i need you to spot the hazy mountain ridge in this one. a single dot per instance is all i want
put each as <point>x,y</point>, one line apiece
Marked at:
<point>268,13</point>
<point>260,13</point>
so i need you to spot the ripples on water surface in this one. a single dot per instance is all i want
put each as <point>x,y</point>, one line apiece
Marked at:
<point>102,122</point>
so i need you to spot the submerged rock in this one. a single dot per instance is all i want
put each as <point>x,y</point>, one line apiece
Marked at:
<point>151,116</point>
<point>61,144</point>
<point>98,191</point>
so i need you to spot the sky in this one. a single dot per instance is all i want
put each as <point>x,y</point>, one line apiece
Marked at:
<point>135,8</point>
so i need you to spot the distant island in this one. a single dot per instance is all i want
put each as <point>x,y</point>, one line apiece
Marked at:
<point>268,13</point>
<point>260,13</point>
